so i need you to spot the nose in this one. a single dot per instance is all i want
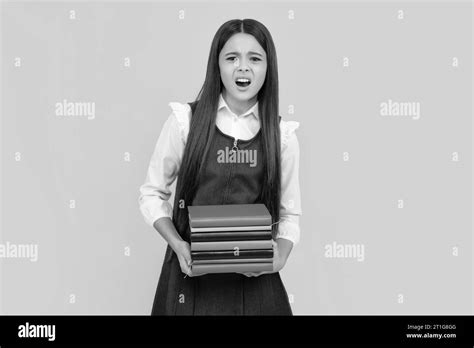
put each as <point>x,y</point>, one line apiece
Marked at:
<point>242,65</point>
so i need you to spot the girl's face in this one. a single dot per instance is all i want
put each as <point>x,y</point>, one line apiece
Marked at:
<point>243,67</point>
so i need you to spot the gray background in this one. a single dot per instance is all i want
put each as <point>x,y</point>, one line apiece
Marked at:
<point>81,251</point>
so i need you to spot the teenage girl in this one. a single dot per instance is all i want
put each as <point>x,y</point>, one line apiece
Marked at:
<point>236,107</point>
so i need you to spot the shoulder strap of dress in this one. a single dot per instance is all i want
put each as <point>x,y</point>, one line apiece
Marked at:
<point>193,106</point>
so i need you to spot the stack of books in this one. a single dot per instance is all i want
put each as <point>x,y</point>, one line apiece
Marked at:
<point>230,238</point>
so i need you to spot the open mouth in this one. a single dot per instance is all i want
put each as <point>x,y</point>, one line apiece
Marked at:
<point>242,82</point>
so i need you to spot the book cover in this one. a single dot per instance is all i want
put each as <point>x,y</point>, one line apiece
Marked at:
<point>230,268</point>
<point>229,215</point>
<point>239,260</point>
<point>232,254</point>
<point>231,245</point>
<point>231,229</point>
<point>228,236</point>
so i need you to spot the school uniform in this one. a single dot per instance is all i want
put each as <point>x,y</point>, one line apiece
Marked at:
<point>220,183</point>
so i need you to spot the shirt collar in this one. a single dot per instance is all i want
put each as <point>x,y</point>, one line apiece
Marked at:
<point>252,111</point>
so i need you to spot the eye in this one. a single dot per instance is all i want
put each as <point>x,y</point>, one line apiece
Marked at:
<point>230,58</point>
<point>256,59</point>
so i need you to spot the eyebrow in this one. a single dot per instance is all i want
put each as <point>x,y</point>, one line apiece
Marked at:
<point>250,52</point>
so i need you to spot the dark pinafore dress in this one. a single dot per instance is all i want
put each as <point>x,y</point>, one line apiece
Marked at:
<point>221,293</point>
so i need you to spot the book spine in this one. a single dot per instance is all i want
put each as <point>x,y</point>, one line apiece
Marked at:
<point>228,236</point>
<point>230,229</point>
<point>231,221</point>
<point>239,260</point>
<point>231,268</point>
<point>231,254</point>
<point>231,245</point>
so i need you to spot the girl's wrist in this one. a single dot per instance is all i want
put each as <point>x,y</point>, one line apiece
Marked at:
<point>177,245</point>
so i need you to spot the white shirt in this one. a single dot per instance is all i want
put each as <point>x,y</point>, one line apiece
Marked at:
<point>168,153</point>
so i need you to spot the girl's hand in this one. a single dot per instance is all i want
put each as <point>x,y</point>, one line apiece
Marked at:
<point>279,261</point>
<point>183,251</point>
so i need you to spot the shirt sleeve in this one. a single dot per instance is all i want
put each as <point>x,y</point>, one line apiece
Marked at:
<point>290,206</point>
<point>164,167</point>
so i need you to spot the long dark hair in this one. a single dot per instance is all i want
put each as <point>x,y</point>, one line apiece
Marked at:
<point>202,126</point>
